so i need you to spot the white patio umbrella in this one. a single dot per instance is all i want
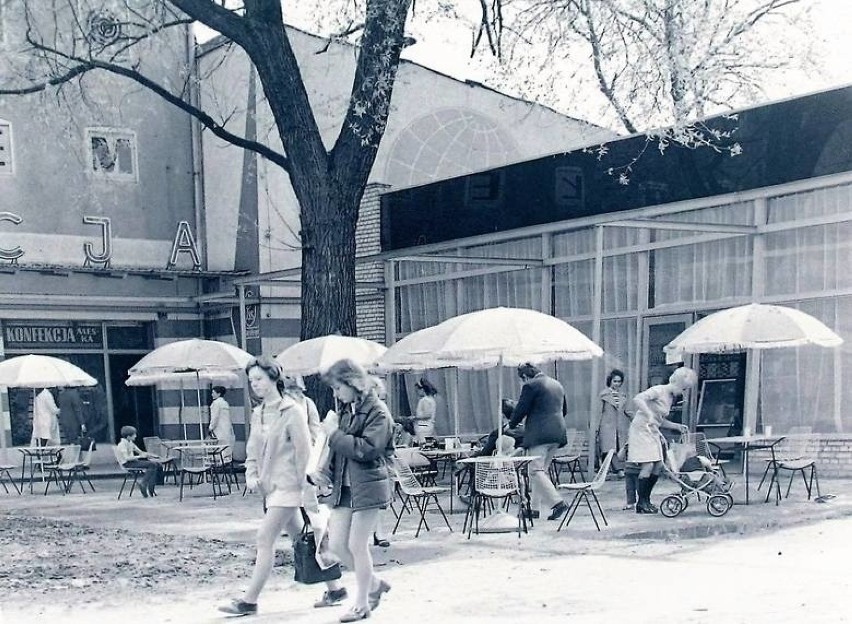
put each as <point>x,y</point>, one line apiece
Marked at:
<point>42,371</point>
<point>316,355</point>
<point>494,337</point>
<point>204,359</point>
<point>180,381</point>
<point>753,328</point>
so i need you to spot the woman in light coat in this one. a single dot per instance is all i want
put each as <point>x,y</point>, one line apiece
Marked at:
<point>424,413</point>
<point>276,459</point>
<point>45,419</point>
<point>220,426</point>
<point>614,419</point>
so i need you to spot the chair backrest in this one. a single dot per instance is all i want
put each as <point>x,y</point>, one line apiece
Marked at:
<point>600,477</point>
<point>567,449</point>
<point>407,480</point>
<point>412,457</point>
<point>86,460</point>
<point>153,444</point>
<point>194,458</point>
<point>118,457</point>
<point>495,478</point>
<point>797,444</point>
<point>4,459</point>
<point>70,455</point>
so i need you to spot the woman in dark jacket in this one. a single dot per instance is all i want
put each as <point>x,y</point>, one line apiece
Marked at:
<point>360,441</point>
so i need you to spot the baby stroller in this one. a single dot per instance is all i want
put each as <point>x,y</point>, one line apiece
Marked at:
<point>696,475</point>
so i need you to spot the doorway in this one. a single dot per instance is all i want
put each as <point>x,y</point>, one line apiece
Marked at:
<point>131,406</point>
<point>658,332</point>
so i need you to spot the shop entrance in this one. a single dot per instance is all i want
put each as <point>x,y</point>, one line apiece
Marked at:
<point>658,332</point>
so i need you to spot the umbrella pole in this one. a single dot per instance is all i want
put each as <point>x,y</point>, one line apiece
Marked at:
<point>499,405</point>
<point>455,389</point>
<point>180,411</point>
<point>200,413</point>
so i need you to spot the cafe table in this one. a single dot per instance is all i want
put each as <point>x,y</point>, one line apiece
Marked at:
<point>37,456</point>
<point>207,458</point>
<point>447,456</point>
<point>756,442</point>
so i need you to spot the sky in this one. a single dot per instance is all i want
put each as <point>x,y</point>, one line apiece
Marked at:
<point>445,48</point>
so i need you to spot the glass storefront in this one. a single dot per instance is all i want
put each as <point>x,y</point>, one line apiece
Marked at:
<point>105,351</point>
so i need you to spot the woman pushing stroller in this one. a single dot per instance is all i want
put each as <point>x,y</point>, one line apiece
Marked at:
<point>643,438</point>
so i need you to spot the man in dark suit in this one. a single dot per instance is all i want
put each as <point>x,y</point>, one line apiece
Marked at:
<point>71,418</point>
<point>542,404</point>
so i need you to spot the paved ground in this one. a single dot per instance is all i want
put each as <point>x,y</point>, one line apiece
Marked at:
<point>175,561</point>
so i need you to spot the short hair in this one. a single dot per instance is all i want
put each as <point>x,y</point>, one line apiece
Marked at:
<point>684,376</point>
<point>507,407</point>
<point>220,390</point>
<point>127,431</point>
<point>612,375</point>
<point>528,370</point>
<point>350,373</point>
<point>427,387</point>
<point>270,367</point>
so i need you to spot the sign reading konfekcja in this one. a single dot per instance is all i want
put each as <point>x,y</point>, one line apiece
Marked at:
<point>44,336</point>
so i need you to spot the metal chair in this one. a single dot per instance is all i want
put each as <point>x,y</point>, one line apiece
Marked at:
<point>788,450</point>
<point>703,448</point>
<point>411,491</point>
<point>64,468</point>
<point>567,457</point>
<point>5,473</point>
<point>164,457</point>
<point>195,462</point>
<point>83,466</point>
<point>424,468</point>
<point>128,472</point>
<point>794,458</point>
<point>582,491</point>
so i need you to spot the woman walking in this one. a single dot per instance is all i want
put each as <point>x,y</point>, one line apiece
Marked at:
<point>614,419</point>
<point>643,439</point>
<point>276,458</point>
<point>360,441</point>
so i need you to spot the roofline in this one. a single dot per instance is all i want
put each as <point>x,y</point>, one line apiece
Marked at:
<point>221,40</point>
<point>622,137</point>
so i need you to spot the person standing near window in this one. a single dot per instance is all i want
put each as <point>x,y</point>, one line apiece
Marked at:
<point>45,421</point>
<point>614,420</point>
<point>424,414</point>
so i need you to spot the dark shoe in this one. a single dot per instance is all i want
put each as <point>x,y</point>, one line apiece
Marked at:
<point>383,543</point>
<point>558,510</point>
<point>355,614</point>
<point>151,492</point>
<point>331,598</point>
<point>376,596</point>
<point>144,492</point>
<point>239,607</point>
<point>533,515</point>
<point>645,508</point>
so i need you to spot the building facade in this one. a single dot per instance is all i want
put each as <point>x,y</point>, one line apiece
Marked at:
<point>631,265</point>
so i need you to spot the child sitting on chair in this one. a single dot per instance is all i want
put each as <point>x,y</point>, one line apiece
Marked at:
<point>131,456</point>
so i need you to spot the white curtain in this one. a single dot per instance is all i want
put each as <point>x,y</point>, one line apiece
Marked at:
<point>799,387</point>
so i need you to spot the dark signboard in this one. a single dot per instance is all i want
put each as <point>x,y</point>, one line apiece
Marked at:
<point>22,336</point>
<point>773,144</point>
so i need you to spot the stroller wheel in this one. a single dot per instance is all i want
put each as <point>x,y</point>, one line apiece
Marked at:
<point>719,504</point>
<point>672,505</point>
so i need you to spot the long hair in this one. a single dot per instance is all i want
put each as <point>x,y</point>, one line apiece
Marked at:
<point>352,374</point>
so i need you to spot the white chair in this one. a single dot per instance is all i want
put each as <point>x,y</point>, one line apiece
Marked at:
<point>412,491</point>
<point>128,472</point>
<point>5,472</point>
<point>82,471</point>
<point>582,491</point>
<point>794,458</point>
<point>493,481</point>
<point>567,457</point>
<point>63,470</point>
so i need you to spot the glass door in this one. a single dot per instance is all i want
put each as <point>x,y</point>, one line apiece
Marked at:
<point>658,332</point>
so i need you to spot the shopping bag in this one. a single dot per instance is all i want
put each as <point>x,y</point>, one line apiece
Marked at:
<point>307,568</point>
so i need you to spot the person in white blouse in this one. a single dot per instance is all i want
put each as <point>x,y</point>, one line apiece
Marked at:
<point>424,414</point>
<point>45,419</point>
<point>220,426</point>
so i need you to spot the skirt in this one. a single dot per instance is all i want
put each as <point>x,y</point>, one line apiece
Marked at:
<point>643,443</point>
<point>284,498</point>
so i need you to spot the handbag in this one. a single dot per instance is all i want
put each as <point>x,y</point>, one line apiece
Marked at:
<point>84,441</point>
<point>307,570</point>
